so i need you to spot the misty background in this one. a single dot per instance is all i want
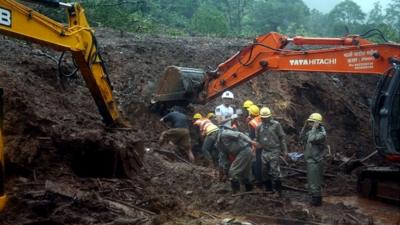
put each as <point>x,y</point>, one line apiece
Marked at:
<point>245,18</point>
<point>327,5</point>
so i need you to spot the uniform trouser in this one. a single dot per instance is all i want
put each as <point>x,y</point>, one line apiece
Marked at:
<point>240,169</point>
<point>257,166</point>
<point>314,177</point>
<point>178,136</point>
<point>271,165</point>
<point>208,149</point>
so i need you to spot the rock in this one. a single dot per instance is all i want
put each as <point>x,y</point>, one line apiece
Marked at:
<point>221,201</point>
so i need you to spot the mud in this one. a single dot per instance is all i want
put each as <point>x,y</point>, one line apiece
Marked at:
<point>57,149</point>
<point>382,212</point>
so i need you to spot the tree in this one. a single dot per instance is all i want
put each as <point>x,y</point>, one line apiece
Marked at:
<point>317,23</point>
<point>269,15</point>
<point>234,11</point>
<point>174,13</point>
<point>345,17</point>
<point>393,16</point>
<point>209,20</point>
<point>376,15</point>
<point>347,12</point>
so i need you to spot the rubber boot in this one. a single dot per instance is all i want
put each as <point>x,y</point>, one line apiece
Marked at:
<point>316,200</point>
<point>268,185</point>
<point>277,186</point>
<point>235,185</point>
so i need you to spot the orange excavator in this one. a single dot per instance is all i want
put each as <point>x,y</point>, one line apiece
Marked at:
<point>352,54</point>
<point>77,37</point>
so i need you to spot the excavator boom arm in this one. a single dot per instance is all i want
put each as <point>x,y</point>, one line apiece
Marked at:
<point>20,21</point>
<point>352,55</point>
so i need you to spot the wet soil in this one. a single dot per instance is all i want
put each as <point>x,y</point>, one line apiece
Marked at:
<point>58,151</point>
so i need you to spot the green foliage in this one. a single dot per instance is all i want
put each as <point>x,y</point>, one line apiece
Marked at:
<point>393,17</point>
<point>376,15</point>
<point>269,15</point>
<point>317,24</point>
<point>236,17</point>
<point>209,20</point>
<point>235,12</point>
<point>347,12</point>
<point>345,17</point>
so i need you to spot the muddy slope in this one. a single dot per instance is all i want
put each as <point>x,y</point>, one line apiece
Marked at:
<point>50,121</point>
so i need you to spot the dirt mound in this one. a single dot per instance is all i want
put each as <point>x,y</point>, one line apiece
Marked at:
<point>49,127</point>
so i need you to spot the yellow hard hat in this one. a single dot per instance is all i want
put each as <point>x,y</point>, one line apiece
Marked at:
<point>197,116</point>
<point>315,117</point>
<point>254,110</point>
<point>265,112</point>
<point>210,115</point>
<point>247,104</point>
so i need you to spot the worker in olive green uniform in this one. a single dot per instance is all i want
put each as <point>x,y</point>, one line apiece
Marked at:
<point>313,137</point>
<point>239,145</point>
<point>272,140</point>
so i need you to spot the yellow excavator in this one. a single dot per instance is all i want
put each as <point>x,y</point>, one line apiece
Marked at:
<point>19,21</point>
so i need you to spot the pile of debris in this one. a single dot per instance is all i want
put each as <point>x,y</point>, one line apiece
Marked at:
<point>58,162</point>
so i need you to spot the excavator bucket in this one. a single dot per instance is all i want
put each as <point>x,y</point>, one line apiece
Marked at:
<point>178,86</point>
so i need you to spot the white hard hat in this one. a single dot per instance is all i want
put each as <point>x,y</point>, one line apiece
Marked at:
<point>227,94</point>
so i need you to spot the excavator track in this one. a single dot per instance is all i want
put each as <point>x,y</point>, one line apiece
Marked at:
<point>382,183</point>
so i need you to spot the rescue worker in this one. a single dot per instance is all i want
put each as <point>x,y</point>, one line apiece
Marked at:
<point>246,114</point>
<point>230,142</point>
<point>209,132</point>
<point>196,117</point>
<point>255,121</point>
<point>272,140</point>
<point>178,133</point>
<point>313,138</point>
<point>195,136</point>
<point>225,114</point>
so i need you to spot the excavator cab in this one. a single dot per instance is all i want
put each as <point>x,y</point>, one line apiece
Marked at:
<point>382,181</point>
<point>386,115</point>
